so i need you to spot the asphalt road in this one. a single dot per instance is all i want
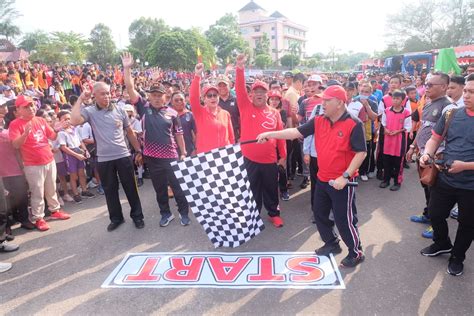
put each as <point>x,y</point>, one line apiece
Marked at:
<point>61,271</point>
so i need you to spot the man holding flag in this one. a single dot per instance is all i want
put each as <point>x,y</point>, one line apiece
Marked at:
<point>257,117</point>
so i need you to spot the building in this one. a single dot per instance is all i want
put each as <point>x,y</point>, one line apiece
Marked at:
<point>8,52</point>
<point>285,36</point>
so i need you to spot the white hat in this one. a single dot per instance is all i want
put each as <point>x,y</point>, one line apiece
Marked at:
<point>128,108</point>
<point>315,78</point>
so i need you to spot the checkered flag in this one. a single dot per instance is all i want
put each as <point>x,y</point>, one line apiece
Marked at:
<point>216,186</point>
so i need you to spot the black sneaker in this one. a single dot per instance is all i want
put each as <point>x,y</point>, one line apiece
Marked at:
<point>384,184</point>
<point>435,250</point>
<point>139,223</point>
<point>455,266</point>
<point>327,249</point>
<point>77,198</point>
<point>350,262</point>
<point>395,187</point>
<point>139,182</point>
<point>304,184</point>
<point>87,194</point>
<point>379,175</point>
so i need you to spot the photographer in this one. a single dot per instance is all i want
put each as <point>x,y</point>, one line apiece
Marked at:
<point>455,182</point>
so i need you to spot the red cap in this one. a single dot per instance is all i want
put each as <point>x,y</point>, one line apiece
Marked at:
<point>335,92</point>
<point>259,84</point>
<point>23,100</point>
<point>274,94</point>
<point>206,89</point>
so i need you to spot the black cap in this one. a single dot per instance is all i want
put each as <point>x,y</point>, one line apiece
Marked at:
<point>289,74</point>
<point>349,85</point>
<point>156,87</point>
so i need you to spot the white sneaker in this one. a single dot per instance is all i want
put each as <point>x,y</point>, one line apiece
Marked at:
<point>68,198</point>
<point>60,200</point>
<point>92,184</point>
<point>364,178</point>
<point>372,175</point>
<point>5,266</point>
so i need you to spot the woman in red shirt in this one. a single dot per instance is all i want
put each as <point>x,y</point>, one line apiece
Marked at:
<point>213,124</point>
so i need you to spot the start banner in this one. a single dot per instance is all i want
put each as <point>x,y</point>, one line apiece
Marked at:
<point>226,270</point>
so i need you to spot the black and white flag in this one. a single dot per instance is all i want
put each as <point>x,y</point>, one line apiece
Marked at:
<point>217,189</point>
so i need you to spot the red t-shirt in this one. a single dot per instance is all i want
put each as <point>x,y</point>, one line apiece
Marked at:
<point>254,121</point>
<point>36,150</point>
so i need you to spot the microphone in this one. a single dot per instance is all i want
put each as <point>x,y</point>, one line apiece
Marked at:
<point>349,184</point>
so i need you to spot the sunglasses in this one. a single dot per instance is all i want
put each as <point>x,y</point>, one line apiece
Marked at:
<point>430,85</point>
<point>211,95</point>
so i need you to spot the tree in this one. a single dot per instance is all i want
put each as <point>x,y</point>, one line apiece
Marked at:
<point>263,61</point>
<point>9,30</point>
<point>225,36</point>
<point>263,46</point>
<point>7,14</point>
<point>290,61</point>
<point>142,32</point>
<point>177,49</point>
<point>30,41</point>
<point>102,50</point>
<point>61,47</point>
<point>434,23</point>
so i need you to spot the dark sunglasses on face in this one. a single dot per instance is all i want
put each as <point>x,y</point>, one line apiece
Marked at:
<point>211,95</point>
<point>430,85</point>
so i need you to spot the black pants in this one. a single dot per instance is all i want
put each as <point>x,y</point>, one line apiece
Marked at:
<point>379,153</point>
<point>391,168</point>
<point>342,203</point>
<point>263,180</point>
<point>162,175</point>
<point>3,212</point>
<point>313,174</point>
<point>427,191</point>
<point>17,199</point>
<point>368,161</point>
<point>108,171</point>
<point>282,179</point>
<point>443,197</point>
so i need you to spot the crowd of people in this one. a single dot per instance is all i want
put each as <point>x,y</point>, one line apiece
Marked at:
<point>69,133</point>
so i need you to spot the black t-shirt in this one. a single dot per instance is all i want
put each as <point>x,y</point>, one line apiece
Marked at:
<point>230,105</point>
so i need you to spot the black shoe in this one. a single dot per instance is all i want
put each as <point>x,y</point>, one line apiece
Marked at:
<point>455,266</point>
<point>9,237</point>
<point>395,187</point>
<point>27,225</point>
<point>305,183</point>
<point>379,175</point>
<point>139,223</point>
<point>435,250</point>
<point>325,250</point>
<point>384,184</point>
<point>350,262</point>
<point>406,166</point>
<point>139,182</point>
<point>291,177</point>
<point>113,226</point>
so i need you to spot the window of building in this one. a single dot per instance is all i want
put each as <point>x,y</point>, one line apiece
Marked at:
<point>273,28</point>
<point>256,28</point>
<point>273,36</point>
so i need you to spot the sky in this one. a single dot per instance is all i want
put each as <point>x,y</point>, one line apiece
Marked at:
<point>357,26</point>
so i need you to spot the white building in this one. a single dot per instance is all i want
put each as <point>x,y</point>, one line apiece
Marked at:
<point>284,34</point>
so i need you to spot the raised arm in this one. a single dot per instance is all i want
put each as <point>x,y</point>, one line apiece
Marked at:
<point>76,116</point>
<point>127,61</point>
<point>243,99</point>
<point>195,90</point>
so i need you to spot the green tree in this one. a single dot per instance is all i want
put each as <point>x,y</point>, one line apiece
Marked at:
<point>142,32</point>
<point>225,36</point>
<point>61,47</point>
<point>30,41</point>
<point>8,14</point>
<point>290,61</point>
<point>9,30</point>
<point>263,46</point>
<point>263,61</point>
<point>102,50</point>
<point>177,49</point>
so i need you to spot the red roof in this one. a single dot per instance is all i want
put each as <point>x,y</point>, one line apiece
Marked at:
<point>14,56</point>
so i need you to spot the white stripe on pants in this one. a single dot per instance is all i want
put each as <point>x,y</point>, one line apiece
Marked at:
<point>42,183</point>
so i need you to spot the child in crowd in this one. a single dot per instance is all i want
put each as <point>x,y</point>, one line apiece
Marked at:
<point>397,123</point>
<point>136,125</point>
<point>74,152</point>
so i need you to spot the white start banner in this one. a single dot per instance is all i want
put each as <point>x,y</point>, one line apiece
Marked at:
<point>226,270</point>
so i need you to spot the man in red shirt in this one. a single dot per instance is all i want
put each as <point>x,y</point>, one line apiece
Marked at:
<point>30,134</point>
<point>340,144</point>
<point>261,163</point>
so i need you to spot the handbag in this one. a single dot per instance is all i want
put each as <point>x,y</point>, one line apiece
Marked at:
<point>429,174</point>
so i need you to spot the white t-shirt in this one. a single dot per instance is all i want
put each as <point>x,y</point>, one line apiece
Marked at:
<point>354,108</point>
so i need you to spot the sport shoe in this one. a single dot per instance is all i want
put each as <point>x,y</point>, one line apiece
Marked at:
<point>454,212</point>
<point>455,266</point>
<point>350,262</point>
<point>87,194</point>
<point>277,221</point>
<point>428,233</point>
<point>8,247</point>
<point>372,175</point>
<point>139,182</point>
<point>92,184</point>
<point>326,249</point>
<point>364,178</point>
<point>5,266</point>
<point>100,190</point>
<point>41,225</point>
<point>285,196</point>
<point>379,175</point>
<point>77,198</point>
<point>420,219</point>
<point>68,198</point>
<point>60,215</point>
<point>185,221</point>
<point>435,250</point>
<point>304,184</point>
<point>166,219</point>
<point>395,187</point>
<point>384,184</point>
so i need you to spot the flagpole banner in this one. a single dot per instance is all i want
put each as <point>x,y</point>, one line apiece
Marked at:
<point>217,189</point>
<point>226,270</point>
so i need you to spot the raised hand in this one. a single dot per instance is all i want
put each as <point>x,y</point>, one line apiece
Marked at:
<point>127,60</point>
<point>241,60</point>
<point>199,69</point>
<point>86,92</point>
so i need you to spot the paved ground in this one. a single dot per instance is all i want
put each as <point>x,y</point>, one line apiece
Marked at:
<point>61,271</point>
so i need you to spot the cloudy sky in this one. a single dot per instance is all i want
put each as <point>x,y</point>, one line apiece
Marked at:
<point>346,25</point>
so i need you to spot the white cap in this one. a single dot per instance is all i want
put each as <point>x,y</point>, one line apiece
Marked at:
<point>128,108</point>
<point>315,78</point>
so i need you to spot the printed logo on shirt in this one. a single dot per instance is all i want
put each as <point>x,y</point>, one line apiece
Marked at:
<point>232,103</point>
<point>435,112</point>
<point>38,136</point>
<point>271,122</point>
<point>340,134</point>
<point>188,117</point>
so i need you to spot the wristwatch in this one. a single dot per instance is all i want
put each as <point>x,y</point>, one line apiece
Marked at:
<point>346,175</point>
